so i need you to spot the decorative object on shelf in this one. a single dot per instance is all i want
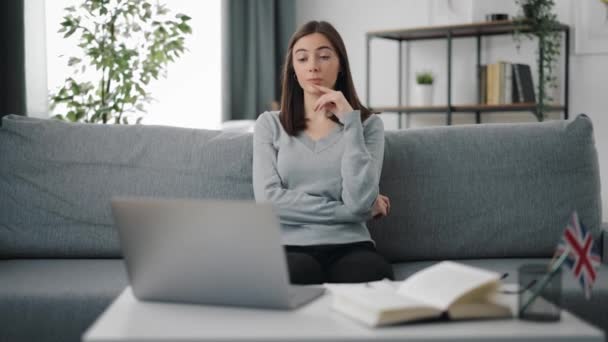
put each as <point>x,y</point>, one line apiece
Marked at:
<point>540,22</point>
<point>591,22</point>
<point>124,44</point>
<point>497,16</point>
<point>424,88</point>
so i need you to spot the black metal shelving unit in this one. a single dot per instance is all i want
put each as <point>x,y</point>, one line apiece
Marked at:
<point>451,32</point>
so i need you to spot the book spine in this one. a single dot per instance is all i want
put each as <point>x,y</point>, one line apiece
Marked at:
<point>491,79</point>
<point>501,83</point>
<point>500,78</point>
<point>483,84</point>
<point>508,84</point>
<point>527,84</point>
<point>503,77</point>
<point>518,94</point>
<point>496,84</point>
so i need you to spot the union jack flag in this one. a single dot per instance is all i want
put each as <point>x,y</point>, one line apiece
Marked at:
<point>583,257</point>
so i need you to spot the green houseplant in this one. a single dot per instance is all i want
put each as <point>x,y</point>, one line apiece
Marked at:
<point>537,20</point>
<point>424,88</point>
<point>124,44</point>
<point>424,77</point>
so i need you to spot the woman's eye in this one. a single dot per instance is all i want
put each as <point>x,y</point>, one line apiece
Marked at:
<point>301,59</point>
<point>325,57</point>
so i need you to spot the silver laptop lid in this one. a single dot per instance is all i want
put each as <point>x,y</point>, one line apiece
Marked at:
<point>203,251</point>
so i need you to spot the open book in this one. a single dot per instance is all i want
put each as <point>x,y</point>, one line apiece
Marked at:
<point>447,288</point>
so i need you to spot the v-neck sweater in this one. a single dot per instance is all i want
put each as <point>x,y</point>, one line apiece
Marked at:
<point>322,190</point>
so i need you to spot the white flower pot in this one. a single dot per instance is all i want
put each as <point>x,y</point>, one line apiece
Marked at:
<point>424,94</point>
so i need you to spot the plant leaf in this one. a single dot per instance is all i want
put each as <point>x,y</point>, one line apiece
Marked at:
<point>73,61</point>
<point>183,17</point>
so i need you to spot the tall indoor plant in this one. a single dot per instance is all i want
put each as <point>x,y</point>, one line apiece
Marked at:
<point>537,20</point>
<point>124,44</point>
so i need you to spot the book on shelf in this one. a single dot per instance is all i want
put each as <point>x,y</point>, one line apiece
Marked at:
<point>501,82</point>
<point>493,78</point>
<point>482,75</point>
<point>505,83</point>
<point>523,86</point>
<point>498,81</point>
<point>447,290</point>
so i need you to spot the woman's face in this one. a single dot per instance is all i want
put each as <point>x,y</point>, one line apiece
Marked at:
<point>315,61</point>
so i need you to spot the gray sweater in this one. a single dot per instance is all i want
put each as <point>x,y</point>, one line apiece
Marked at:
<point>323,191</point>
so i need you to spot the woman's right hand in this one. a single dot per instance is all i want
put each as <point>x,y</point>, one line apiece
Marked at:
<point>382,206</point>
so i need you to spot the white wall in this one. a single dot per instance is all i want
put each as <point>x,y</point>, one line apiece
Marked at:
<point>35,58</point>
<point>352,18</point>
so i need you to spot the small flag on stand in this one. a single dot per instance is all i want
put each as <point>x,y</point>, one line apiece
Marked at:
<point>583,257</point>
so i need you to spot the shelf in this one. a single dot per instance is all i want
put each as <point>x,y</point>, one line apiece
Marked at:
<point>515,107</point>
<point>418,109</point>
<point>449,32</point>
<point>463,30</point>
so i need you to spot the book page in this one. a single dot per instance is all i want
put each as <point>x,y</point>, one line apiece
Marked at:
<point>378,306</point>
<point>444,283</point>
<point>378,300</point>
<point>493,305</point>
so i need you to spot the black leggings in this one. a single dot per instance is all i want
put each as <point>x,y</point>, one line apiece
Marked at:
<point>345,263</point>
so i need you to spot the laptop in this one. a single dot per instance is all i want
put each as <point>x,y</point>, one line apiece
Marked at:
<point>215,252</point>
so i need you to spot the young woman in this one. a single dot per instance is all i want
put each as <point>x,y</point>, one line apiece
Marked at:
<point>318,161</point>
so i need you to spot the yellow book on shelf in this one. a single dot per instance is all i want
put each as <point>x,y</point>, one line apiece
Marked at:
<point>446,289</point>
<point>493,83</point>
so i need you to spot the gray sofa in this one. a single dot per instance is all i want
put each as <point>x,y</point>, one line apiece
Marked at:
<point>495,195</point>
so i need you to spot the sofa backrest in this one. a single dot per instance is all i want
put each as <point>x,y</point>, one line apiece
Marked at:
<point>483,191</point>
<point>57,179</point>
<point>474,191</point>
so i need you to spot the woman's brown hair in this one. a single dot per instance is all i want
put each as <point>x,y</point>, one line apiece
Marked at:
<point>292,114</point>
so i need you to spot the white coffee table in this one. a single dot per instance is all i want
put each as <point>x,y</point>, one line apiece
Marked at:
<point>128,319</point>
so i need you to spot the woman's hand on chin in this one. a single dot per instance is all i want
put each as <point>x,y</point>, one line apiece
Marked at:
<point>332,101</point>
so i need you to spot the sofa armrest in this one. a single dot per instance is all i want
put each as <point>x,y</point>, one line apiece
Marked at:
<point>604,242</point>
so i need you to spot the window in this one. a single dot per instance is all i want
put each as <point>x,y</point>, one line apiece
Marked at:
<point>190,96</point>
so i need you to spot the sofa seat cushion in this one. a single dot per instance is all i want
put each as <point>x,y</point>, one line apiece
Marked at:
<point>55,299</point>
<point>573,299</point>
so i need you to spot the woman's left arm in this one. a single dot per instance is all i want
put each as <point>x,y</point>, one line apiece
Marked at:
<point>363,152</point>
<point>361,162</point>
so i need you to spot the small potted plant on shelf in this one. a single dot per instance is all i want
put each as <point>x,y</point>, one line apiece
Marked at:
<point>424,88</point>
<point>537,20</point>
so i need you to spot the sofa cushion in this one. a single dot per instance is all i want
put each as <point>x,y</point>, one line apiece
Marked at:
<point>491,190</point>
<point>573,298</point>
<point>57,179</point>
<point>55,300</point>
<point>471,191</point>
